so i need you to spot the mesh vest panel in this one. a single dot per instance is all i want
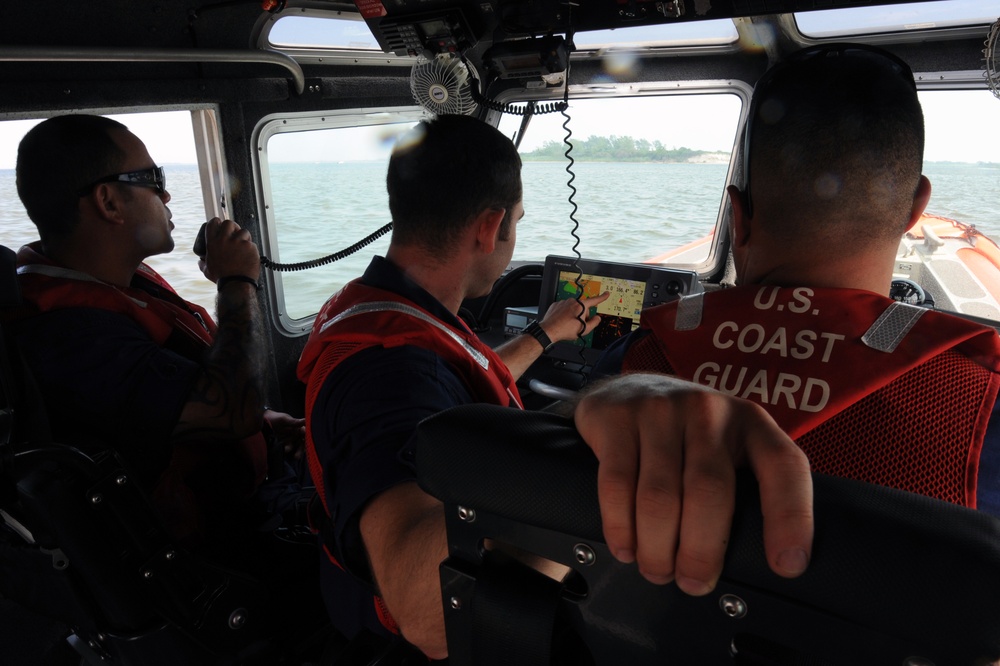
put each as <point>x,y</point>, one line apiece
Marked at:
<point>914,433</point>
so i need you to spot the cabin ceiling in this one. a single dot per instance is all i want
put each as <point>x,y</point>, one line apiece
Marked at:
<point>127,23</point>
<point>228,24</point>
<point>48,47</point>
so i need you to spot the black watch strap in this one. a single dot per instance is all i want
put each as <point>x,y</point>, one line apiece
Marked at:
<point>535,330</point>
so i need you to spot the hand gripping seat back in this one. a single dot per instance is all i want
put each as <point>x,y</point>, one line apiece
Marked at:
<point>893,576</point>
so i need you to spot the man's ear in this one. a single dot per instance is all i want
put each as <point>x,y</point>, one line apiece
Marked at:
<point>487,227</point>
<point>740,228</point>
<point>920,199</point>
<point>107,202</point>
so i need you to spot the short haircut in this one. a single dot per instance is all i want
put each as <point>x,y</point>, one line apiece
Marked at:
<point>446,171</point>
<point>58,158</point>
<point>836,144</point>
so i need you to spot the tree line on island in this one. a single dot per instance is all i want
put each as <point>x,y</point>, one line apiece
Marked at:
<point>614,148</point>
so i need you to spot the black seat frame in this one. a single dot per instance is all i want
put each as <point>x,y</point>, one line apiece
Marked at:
<point>895,577</point>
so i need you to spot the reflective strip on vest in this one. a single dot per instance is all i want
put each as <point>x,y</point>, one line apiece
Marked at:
<point>892,326</point>
<point>689,310</point>
<point>68,274</point>
<point>57,271</point>
<point>383,306</point>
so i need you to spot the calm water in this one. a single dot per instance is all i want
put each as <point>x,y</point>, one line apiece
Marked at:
<point>627,212</point>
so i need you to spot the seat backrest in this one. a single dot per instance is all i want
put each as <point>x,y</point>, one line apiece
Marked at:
<point>10,297</point>
<point>22,411</point>
<point>895,577</point>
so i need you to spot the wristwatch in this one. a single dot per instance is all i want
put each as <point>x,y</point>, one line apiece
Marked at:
<point>535,330</point>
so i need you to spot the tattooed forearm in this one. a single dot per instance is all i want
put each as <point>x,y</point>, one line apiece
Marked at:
<point>227,400</point>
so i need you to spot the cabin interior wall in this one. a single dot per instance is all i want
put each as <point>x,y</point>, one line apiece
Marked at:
<point>941,56</point>
<point>59,89</point>
<point>282,388</point>
<point>746,67</point>
<point>127,22</point>
<point>238,120</point>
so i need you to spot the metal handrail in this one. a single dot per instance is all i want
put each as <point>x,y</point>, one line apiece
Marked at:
<point>88,54</point>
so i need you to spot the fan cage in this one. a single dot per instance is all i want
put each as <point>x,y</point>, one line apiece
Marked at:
<point>441,85</point>
<point>990,55</point>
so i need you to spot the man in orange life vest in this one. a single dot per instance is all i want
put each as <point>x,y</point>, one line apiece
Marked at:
<point>120,359</point>
<point>389,350</point>
<point>870,388</point>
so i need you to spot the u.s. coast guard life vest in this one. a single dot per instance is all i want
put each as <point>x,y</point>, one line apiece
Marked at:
<point>173,323</point>
<point>359,317</point>
<point>869,388</point>
<point>46,286</point>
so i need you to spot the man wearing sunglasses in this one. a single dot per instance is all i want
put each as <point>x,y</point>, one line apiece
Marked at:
<point>869,388</point>
<point>121,360</point>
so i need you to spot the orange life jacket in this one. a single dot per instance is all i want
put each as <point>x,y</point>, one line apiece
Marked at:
<point>869,388</point>
<point>359,317</point>
<point>46,286</point>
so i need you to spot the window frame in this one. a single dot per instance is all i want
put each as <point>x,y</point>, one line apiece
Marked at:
<point>920,32</point>
<point>693,46</point>
<point>281,123</point>
<point>327,54</point>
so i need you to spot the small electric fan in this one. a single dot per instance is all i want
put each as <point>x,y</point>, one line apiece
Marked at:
<point>442,85</point>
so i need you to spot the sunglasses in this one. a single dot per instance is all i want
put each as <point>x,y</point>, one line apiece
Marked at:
<point>761,92</point>
<point>152,177</point>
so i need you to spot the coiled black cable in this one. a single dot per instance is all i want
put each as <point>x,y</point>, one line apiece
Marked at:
<point>578,281</point>
<point>528,108</point>
<point>518,110</point>
<point>328,259</point>
<point>570,162</point>
<point>569,183</point>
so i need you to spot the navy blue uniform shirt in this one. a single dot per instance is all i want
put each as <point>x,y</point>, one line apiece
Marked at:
<point>94,363</point>
<point>363,425</point>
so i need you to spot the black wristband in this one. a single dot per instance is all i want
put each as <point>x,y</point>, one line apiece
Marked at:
<point>223,281</point>
<point>535,330</point>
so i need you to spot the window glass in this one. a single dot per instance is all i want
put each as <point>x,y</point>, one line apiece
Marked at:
<point>650,173</point>
<point>170,142</point>
<point>325,190</point>
<point>688,33</point>
<point>897,18</point>
<point>351,34</point>
<point>960,268</point>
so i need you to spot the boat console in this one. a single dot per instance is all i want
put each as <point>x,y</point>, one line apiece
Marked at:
<point>633,288</point>
<point>566,365</point>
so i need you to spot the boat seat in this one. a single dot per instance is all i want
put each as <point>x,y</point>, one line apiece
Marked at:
<point>81,545</point>
<point>895,578</point>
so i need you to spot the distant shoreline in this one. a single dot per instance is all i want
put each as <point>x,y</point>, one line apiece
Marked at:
<point>548,160</point>
<point>644,163</point>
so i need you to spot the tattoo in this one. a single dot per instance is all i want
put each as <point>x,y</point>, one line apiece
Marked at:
<point>228,400</point>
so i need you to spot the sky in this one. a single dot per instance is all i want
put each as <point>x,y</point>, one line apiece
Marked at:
<point>168,136</point>
<point>960,128</point>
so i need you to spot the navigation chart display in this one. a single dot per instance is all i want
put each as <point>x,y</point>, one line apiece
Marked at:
<point>619,314</point>
<point>633,288</point>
